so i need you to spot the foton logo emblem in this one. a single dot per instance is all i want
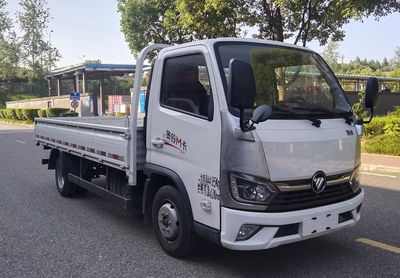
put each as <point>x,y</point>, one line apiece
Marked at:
<point>318,182</point>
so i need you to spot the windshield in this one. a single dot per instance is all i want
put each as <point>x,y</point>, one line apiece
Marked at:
<point>288,79</point>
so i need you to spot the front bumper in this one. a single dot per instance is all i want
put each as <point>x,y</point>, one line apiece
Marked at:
<point>311,223</point>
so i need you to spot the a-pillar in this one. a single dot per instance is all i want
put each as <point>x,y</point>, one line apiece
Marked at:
<point>100,102</point>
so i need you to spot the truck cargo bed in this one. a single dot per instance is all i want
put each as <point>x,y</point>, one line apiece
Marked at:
<point>101,139</point>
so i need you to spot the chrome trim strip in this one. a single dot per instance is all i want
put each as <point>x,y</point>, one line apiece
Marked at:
<point>284,187</point>
<point>338,181</point>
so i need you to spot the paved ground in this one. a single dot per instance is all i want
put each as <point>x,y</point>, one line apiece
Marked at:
<point>382,160</point>
<point>45,235</point>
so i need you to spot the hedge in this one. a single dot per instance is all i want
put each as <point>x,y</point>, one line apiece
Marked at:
<point>18,112</point>
<point>69,114</point>
<point>55,112</point>
<point>24,114</point>
<point>11,114</point>
<point>42,113</point>
<point>21,114</point>
<point>29,113</point>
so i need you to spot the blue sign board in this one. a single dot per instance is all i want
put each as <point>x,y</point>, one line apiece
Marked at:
<point>75,96</point>
<point>142,100</point>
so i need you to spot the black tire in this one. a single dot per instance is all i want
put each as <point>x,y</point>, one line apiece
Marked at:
<point>64,165</point>
<point>184,242</point>
<point>116,181</point>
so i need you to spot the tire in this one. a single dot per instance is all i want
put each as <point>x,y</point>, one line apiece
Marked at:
<point>172,224</point>
<point>116,182</point>
<point>66,188</point>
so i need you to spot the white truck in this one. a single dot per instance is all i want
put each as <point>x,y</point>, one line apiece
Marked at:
<point>248,143</point>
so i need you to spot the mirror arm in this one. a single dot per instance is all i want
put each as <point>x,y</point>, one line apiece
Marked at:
<point>244,123</point>
<point>371,115</point>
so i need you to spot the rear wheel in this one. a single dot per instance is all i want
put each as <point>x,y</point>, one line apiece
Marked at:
<point>171,223</point>
<point>64,166</point>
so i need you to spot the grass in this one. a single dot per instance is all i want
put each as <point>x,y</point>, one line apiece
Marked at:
<point>22,97</point>
<point>388,144</point>
<point>12,121</point>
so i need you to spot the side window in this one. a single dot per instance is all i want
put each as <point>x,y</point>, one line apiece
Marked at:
<point>186,85</point>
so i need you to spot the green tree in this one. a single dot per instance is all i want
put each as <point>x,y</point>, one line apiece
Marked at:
<point>396,59</point>
<point>37,54</point>
<point>300,20</point>
<point>307,20</point>
<point>177,21</point>
<point>156,21</point>
<point>5,20</point>
<point>9,46</point>
<point>9,58</point>
<point>331,54</point>
<point>212,18</point>
<point>385,62</point>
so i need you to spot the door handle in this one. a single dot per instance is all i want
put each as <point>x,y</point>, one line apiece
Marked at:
<point>157,142</point>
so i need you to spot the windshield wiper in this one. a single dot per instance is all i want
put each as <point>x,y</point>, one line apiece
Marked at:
<point>346,116</point>
<point>315,122</point>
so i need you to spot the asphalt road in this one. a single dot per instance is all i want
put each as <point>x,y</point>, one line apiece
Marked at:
<point>45,235</point>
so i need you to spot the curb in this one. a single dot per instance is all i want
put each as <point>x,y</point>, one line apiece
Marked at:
<point>381,155</point>
<point>17,124</point>
<point>379,168</point>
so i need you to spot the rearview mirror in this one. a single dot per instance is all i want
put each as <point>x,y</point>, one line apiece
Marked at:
<point>241,85</point>
<point>241,91</point>
<point>371,96</point>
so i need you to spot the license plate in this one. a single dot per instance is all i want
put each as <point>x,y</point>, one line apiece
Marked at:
<point>318,224</point>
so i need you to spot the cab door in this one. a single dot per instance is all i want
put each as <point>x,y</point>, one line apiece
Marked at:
<point>185,127</point>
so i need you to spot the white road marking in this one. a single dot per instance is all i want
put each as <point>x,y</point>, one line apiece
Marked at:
<point>20,141</point>
<point>379,175</point>
<point>15,131</point>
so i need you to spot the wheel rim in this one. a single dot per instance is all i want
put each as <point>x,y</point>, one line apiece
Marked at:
<point>60,177</point>
<point>168,221</point>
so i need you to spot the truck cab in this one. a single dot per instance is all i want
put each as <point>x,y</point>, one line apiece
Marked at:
<point>248,143</point>
<point>285,180</point>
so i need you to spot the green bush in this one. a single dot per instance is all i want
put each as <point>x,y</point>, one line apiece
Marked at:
<point>11,114</point>
<point>55,112</point>
<point>42,113</point>
<point>396,112</point>
<point>2,115</point>
<point>29,113</point>
<point>18,112</point>
<point>383,144</point>
<point>375,127</point>
<point>69,114</point>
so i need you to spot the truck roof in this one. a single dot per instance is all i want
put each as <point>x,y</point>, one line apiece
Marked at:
<point>210,42</point>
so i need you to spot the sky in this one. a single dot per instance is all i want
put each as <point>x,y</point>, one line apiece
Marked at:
<point>89,29</point>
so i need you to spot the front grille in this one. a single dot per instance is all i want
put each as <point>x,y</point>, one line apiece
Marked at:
<point>303,199</point>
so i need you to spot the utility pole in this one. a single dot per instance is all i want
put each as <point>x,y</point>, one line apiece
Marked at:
<point>49,68</point>
<point>49,65</point>
<point>342,58</point>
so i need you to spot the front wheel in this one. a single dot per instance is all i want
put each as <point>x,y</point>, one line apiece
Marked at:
<point>171,223</point>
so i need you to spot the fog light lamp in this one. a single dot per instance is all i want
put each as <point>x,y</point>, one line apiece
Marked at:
<point>247,231</point>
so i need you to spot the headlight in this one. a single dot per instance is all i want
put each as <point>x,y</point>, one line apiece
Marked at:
<point>355,178</point>
<point>249,189</point>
